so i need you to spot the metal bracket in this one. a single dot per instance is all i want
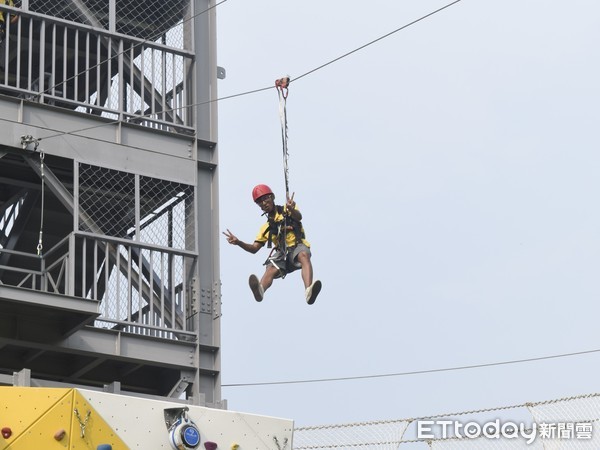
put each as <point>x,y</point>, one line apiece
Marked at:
<point>22,378</point>
<point>194,294</point>
<point>210,300</point>
<point>179,387</point>
<point>28,140</point>
<point>172,415</point>
<point>216,294</point>
<point>206,301</point>
<point>113,388</point>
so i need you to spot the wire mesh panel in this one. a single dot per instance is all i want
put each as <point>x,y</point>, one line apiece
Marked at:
<point>166,213</point>
<point>571,423</point>
<point>146,19</point>
<point>146,209</point>
<point>384,435</point>
<point>143,272</point>
<point>106,201</point>
<point>584,408</point>
<point>485,444</point>
<point>90,12</point>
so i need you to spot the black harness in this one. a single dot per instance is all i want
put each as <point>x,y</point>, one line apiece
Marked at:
<point>277,228</point>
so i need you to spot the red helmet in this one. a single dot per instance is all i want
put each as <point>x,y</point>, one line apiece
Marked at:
<point>260,190</point>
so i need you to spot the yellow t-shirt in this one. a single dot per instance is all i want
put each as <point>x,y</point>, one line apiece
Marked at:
<point>7,3</point>
<point>290,238</point>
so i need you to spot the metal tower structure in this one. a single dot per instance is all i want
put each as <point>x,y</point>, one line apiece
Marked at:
<point>109,267</point>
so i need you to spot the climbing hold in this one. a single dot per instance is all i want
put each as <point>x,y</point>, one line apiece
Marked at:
<point>60,434</point>
<point>210,445</point>
<point>6,432</point>
<point>235,446</point>
<point>104,447</point>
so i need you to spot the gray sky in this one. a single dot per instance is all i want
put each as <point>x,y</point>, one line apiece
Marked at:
<point>448,178</point>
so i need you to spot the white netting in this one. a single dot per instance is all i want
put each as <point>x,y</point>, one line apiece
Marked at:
<point>570,423</point>
<point>564,424</point>
<point>577,409</point>
<point>369,436</point>
<point>485,443</point>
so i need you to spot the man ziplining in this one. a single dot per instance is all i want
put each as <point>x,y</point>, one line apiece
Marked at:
<point>291,251</point>
<point>283,228</point>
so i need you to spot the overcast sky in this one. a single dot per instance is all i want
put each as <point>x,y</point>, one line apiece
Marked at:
<point>448,178</point>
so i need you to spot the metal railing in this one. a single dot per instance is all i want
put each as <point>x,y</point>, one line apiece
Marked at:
<point>142,288</point>
<point>25,276</point>
<point>91,70</point>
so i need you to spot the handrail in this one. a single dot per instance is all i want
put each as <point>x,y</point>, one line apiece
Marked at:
<point>21,270</point>
<point>112,79</point>
<point>143,245</point>
<point>96,30</point>
<point>56,246</point>
<point>123,324</point>
<point>145,287</point>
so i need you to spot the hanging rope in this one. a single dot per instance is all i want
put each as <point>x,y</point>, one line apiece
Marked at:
<point>40,245</point>
<point>26,142</point>
<point>282,91</point>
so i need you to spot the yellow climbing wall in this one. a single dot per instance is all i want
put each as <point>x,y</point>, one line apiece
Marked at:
<point>51,418</point>
<point>35,418</point>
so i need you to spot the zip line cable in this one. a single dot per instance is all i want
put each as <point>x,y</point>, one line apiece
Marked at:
<point>73,133</point>
<point>414,372</point>
<point>254,91</point>
<point>378,39</point>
